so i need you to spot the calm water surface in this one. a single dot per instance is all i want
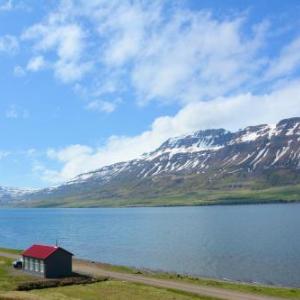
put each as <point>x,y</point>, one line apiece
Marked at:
<point>255,243</point>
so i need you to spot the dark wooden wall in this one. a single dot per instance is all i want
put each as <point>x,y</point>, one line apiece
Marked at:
<point>59,264</point>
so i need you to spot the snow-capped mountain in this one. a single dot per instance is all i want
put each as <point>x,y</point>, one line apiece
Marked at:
<point>215,159</point>
<point>251,149</point>
<point>8,194</point>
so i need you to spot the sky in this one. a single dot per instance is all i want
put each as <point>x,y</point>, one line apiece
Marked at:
<point>85,84</point>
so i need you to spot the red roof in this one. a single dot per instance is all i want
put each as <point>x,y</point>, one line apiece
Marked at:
<point>41,251</point>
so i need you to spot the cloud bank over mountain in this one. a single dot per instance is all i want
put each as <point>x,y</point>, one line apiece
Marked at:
<point>214,70</point>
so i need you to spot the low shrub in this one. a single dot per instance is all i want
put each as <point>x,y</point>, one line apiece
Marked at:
<point>51,283</point>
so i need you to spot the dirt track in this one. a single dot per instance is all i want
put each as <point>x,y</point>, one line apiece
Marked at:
<point>94,269</point>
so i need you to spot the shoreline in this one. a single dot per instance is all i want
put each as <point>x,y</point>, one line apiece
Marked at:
<point>155,273</point>
<point>204,204</point>
<point>160,273</point>
<point>172,281</point>
<point>194,197</point>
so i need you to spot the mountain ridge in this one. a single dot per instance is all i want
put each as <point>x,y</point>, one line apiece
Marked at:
<point>212,160</point>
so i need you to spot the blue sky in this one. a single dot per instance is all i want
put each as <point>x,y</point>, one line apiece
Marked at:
<point>90,83</point>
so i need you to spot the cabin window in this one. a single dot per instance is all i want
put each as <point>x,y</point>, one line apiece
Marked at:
<point>36,265</point>
<point>25,263</point>
<point>30,264</point>
<point>42,267</point>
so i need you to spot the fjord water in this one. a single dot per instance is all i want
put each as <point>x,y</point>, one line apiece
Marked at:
<point>253,243</point>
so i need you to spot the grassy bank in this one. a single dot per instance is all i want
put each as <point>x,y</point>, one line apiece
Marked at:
<point>287,293</point>
<point>283,194</point>
<point>11,251</point>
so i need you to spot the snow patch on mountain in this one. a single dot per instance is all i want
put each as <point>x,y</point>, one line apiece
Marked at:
<point>215,152</point>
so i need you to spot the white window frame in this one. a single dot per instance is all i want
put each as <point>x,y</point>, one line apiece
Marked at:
<point>36,265</point>
<point>25,263</point>
<point>31,264</point>
<point>42,267</point>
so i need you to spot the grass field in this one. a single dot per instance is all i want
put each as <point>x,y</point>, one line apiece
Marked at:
<point>109,290</point>
<point>12,251</point>
<point>9,279</point>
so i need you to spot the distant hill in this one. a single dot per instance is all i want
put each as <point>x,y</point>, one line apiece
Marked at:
<point>256,164</point>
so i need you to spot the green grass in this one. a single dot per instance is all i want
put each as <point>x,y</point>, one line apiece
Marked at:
<point>9,278</point>
<point>287,293</point>
<point>192,197</point>
<point>12,251</point>
<point>115,290</point>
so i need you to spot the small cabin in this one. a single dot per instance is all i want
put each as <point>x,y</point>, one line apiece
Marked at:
<point>47,261</point>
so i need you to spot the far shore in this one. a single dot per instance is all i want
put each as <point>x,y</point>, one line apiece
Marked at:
<point>227,202</point>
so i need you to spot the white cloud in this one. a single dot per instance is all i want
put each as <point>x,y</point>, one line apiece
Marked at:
<point>49,176</point>
<point>127,30</point>
<point>31,152</point>
<point>142,45</point>
<point>19,71</point>
<point>6,6</point>
<point>76,154</point>
<point>4,154</point>
<point>235,112</point>
<point>170,70</point>
<point>71,152</point>
<point>222,112</point>
<point>11,113</point>
<point>287,62</point>
<point>160,52</point>
<point>16,112</point>
<point>10,5</point>
<point>36,63</point>
<point>9,44</point>
<point>178,56</point>
<point>66,40</point>
<point>69,71</point>
<point>102,106</point>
